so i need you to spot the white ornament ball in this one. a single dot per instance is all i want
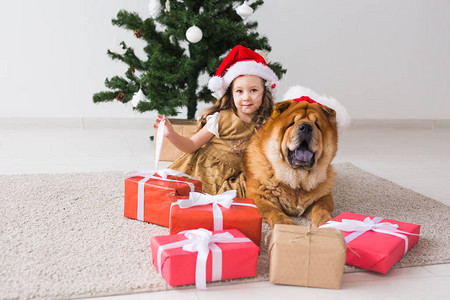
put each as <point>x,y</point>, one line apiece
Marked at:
<point>138,97</point>
<point>194,34</point>
<point>244,10</point>
<point>154,8</point>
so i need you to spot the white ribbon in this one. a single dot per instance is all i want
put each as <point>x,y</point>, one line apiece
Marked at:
<point>163,173</point>
<point>201,241</point>
<point>141,190</point>
<point>149,174</point>
<point>159,141</point>
<point>360,227</point>
<point>225,199</point>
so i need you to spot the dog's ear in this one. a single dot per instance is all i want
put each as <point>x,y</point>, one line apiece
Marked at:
<point>330,113</point>
<point>279,107</point>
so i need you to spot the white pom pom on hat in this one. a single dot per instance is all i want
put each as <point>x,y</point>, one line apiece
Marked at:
<point>241,61</point>
<point>343,118</point>
<point>215,85</point>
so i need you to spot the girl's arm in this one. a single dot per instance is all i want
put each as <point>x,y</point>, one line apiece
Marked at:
<point>185,144</point>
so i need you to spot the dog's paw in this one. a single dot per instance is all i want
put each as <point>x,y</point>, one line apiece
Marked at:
<point>279,219</point>
<point>320,218</point>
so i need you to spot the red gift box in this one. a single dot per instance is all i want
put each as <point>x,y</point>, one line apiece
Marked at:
<point>148,198</point>
<point>199,256</point>
<point>242,214</point>
<point>374,243</point>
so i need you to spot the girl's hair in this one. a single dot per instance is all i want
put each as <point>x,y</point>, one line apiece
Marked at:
<point>226,102</point>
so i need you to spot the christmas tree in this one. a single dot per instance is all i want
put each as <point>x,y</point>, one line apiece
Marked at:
<point>185,39</point>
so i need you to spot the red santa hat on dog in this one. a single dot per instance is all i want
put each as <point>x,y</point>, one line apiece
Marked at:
<point>241,61</point>
<point>299,93</point>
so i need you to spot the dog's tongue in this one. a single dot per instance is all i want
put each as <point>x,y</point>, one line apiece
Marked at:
<point>303,155</point>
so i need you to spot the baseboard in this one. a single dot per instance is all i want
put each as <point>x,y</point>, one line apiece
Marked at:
<point>77,123</point>
<point>147,123</point>
<point>400,123</point>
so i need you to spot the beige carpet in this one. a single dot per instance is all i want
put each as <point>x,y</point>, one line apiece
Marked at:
<point>64,236</point>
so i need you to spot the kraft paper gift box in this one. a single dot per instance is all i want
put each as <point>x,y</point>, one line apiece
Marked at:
<point>200,256</point>
<point>148,197</point>
<point>183,127</point>
<point>375,243</point>
<point>223,211</point>
<point>305,256</point>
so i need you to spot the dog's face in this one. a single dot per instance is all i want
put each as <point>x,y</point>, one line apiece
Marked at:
<point>303,127</point>
<point>287,163</point>
<point>303,138</point>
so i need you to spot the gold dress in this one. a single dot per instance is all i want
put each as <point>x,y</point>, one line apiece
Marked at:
<point>218,163</point>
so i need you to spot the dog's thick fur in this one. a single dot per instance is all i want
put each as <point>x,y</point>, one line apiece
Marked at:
<point>287,163</point>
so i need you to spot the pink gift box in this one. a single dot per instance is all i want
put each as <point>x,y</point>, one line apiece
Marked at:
<point>178,266</point>
<point>376,249</point>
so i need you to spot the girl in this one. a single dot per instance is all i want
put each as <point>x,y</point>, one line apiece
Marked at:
<point>243,85</point>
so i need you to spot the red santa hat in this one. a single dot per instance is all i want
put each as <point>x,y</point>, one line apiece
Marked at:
<point>241,61</point>
<point>299,93</point>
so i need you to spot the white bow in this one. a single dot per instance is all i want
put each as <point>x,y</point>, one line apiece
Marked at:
<point>367,224</point>
<point>360,227</point>
<point>201,241</point>
<point>163,173</point>
<point>225,199</point>
<point>195,199</point>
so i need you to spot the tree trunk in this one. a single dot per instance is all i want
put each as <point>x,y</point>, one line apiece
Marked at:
<point>192,84</point>
<point>191,106</point>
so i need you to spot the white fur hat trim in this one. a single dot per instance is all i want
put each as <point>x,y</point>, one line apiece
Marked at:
<point>219,85</point>
<point>343,119</point>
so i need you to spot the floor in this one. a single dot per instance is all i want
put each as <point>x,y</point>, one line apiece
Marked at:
<point>414,154</point>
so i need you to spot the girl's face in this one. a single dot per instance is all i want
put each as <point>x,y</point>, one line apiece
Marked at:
<point>247,91</point>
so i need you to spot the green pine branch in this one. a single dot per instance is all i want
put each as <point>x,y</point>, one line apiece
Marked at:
<point>127,20</point>
<point>104,96</point>
<point>169,73</point>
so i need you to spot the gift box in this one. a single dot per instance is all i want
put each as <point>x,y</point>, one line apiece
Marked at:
<point>200,256</point>
<point>217,212</point>
<point>148,197</point>
<point>183,127</point>
<point>305,256</point>
<point>375,243</point>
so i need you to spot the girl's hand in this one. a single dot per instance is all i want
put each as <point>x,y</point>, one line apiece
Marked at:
<point>183,143</point>
<point>169,131</point>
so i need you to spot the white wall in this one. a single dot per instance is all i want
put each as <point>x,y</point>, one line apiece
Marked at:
<point>382,59</point>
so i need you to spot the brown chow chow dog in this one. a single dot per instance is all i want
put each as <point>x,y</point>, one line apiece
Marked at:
<point>287,163</point>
